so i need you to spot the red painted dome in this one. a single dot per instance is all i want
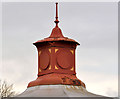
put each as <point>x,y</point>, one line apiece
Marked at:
<point>56,32</point>
<point>56,35</point>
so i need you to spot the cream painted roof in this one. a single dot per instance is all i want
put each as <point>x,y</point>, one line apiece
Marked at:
<point>57,91</point>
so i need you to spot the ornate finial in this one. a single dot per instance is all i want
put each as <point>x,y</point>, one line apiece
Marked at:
<point>56,21</point>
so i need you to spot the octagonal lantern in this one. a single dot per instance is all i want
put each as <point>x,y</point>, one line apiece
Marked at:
<point>56,55</point>
<point>56,59</point>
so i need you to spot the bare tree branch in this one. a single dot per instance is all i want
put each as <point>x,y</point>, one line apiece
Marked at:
<point>6,90</point>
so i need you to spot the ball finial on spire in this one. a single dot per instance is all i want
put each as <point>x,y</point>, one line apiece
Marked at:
<point>56,21</point>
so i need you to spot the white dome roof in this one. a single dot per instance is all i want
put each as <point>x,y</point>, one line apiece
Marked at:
<point>57,91</point>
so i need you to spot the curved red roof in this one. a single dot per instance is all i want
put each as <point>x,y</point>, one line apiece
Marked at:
<point>56,35</point>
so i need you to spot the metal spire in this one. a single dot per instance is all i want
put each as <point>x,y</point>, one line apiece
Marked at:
<point>56,21</point>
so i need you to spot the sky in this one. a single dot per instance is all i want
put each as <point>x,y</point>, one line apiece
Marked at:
<point>93,24</point>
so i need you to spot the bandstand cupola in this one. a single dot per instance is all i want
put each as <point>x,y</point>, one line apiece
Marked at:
<point>56,59</point>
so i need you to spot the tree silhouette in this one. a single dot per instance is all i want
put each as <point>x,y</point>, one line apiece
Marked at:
<point>6,90</point>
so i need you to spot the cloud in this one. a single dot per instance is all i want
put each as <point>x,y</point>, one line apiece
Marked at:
<point>100,83</point>
<point>18,73</point>
<point>112,92</point>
